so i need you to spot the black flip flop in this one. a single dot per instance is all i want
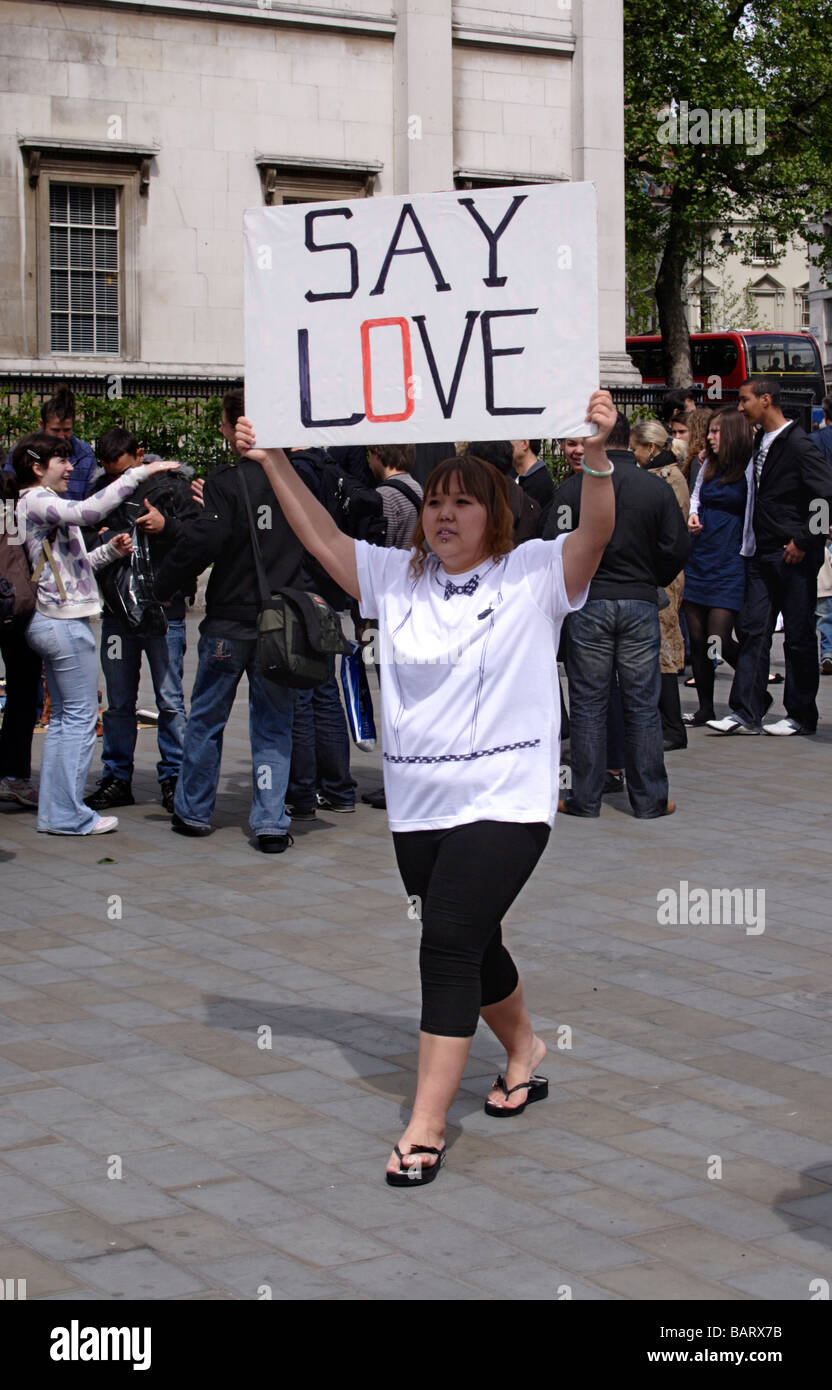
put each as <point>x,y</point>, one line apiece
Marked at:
<point>538,1088</point>
<point>417,1174</point>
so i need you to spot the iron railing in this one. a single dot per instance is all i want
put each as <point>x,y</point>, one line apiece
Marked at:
<point>796,405</point>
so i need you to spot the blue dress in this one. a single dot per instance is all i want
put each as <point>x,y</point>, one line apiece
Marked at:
<point>715,572</point>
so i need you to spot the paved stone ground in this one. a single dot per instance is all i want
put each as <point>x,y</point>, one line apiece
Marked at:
<point>245,1167</point>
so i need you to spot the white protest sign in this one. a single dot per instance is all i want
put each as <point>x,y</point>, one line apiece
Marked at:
<point>466,315</point>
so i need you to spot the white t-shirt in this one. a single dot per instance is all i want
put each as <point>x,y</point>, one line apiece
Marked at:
<point>765,444</point>
<point>469,686</point>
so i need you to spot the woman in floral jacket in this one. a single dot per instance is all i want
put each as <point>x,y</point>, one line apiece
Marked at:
<point>60,630</point>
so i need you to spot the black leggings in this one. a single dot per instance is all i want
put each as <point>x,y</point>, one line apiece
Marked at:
<point>465,879</point>
<point>704,623</point>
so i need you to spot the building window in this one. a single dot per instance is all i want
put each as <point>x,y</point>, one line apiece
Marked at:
<point>82,205</point>
<point>802,309</point>
<point>465,179</point>
<point>83,269</point>
<point>763,251</point>
<point>288,179</point>
<point>708,303</point>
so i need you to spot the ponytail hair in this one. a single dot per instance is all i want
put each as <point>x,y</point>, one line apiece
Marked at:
<point>61,406</point>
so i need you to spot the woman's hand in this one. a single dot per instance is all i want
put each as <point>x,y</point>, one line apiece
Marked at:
<point>601,412</point>
<point>123,543</point>
<point>583,548</point>
<point>694,524</point>
<point>160,468</point>
<point>245,441</point>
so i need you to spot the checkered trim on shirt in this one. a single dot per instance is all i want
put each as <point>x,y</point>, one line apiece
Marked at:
<point>462,757</point>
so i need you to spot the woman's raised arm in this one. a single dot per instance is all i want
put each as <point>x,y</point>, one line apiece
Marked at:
<point>311,523</point>
<point>48,509</point>
<point>583,547</point>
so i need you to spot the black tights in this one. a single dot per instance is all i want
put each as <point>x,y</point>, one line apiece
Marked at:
<point>704,624</point>
<point>465,879</point>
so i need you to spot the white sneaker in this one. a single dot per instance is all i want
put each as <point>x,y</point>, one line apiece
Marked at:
<point>784,727</point>
<point>105,825</point>
<point>18,789</point>
<point>731,725</point>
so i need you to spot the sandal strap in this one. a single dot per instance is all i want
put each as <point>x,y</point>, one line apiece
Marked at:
<point>417,1149</point>
<point>532,1082</point>
<point>500,1084</point>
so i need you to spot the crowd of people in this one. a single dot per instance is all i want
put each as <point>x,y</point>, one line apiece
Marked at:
<point>672,542</point>
<point>696,574</point>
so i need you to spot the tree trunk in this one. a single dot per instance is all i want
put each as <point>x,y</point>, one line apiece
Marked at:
<point>672,322</point>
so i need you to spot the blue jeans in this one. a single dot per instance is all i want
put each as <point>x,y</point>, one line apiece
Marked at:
<point>616,733</point>
<point>621,636</point>
<point>823,617</point>
<point>121,660</point>
<point>70,653</point>
<point>320,747</point>
<point>222,661</point>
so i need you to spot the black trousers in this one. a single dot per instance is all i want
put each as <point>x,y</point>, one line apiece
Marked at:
<point>23,667</point>
<point>465,879</point>
<point>772,587</point>
<point>670,710</point>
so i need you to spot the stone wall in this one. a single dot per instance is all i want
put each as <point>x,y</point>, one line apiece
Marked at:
<point>493,85</point>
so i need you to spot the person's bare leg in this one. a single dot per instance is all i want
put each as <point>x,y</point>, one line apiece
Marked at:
<point>441,1064</point>
<point>510,1023</point>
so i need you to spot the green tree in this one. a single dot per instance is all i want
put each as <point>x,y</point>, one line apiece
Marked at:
<point>186,430</point>
<point>761,71</point>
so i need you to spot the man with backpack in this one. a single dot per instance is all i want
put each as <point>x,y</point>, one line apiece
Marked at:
<point>134,622</point>
<point>401,495</point>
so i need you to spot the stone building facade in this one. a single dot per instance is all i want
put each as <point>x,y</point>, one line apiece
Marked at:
<point>133,135</point>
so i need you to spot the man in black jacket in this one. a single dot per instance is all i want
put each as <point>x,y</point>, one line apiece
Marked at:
<point>228,643</point>
<point>531,473</point>
<point>525,510</point>
<point>160,508</point>
<point>791,505</point>
<point>618,630</point>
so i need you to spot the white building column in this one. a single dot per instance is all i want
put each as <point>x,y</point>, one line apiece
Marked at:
<point>423,97</point>
<point>598,156</point>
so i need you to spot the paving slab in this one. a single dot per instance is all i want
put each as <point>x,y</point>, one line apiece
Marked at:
<point>244,1038</point>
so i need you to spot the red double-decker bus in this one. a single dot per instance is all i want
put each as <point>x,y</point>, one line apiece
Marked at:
<point>727,358</point>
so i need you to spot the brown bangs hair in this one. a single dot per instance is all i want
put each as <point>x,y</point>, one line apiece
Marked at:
<point>698,422</point>
<point>480,480</point>
<point>36,448</point>
<point>735,440</point>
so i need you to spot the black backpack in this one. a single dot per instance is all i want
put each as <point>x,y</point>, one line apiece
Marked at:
<point>356,509</point>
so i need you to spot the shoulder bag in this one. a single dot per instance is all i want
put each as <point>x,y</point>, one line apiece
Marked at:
<point>296,631</point>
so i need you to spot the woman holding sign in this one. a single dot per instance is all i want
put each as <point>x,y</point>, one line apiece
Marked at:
<point>468,632</point>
